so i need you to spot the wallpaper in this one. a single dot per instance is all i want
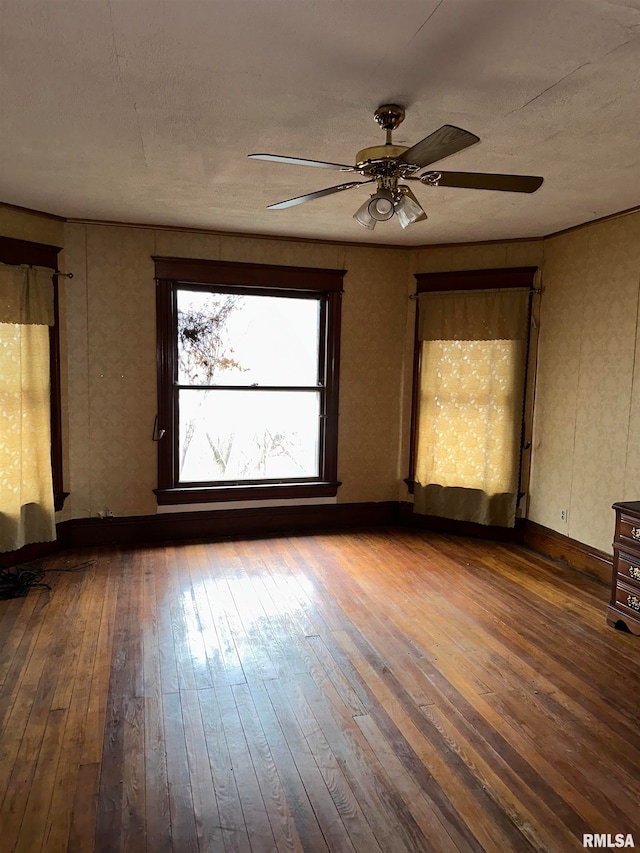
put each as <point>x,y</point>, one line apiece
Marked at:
<point>587,415</point>
<point>111,363</point>
<point>23,225</point>
<point>110,329</point>
<point>586,452</point>
<point>374,310</point>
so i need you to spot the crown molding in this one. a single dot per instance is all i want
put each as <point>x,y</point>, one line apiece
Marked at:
<point>282,238</point>
<point>246,235</point>
<point>611,216</point>
<point>18,209</point>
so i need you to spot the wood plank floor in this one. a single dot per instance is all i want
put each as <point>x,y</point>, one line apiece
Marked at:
<point>376,691</point>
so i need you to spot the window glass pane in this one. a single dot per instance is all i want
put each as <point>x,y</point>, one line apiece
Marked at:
<point>225,339</point>
<point>248,435</point>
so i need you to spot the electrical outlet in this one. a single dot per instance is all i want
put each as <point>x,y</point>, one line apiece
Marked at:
<point>563,515</point>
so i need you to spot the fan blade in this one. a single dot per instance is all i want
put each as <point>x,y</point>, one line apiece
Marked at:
<point>298,161</point>
<point>482,181</point>
<point>440,144</point>
<point>317,194</point>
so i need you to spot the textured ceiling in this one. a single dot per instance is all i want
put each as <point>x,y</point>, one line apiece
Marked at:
<point>144,110</point>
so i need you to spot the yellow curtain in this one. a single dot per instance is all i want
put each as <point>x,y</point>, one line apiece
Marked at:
<point>27,511</point>
<point>470,404</point>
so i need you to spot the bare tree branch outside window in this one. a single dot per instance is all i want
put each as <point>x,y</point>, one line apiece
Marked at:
<point>204,353</point>
<point>203,350</point>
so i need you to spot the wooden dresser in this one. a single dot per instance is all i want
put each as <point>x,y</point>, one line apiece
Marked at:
<point>624,606</point>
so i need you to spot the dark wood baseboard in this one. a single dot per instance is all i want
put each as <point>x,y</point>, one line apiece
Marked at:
<point>270,521</point>
<point>579,556</point>
<point>210,525</point>
<point>408,518</point>
<point>225,524</point>
<point>28,553</point>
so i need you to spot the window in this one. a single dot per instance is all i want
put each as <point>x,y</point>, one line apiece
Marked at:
<point>14,251</point>
<point>247,381</point>
<point>472,339</point>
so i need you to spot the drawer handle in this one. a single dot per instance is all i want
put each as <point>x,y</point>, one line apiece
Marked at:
<point>635,533</point>
<point>634,602</point>
<point>634,571</point>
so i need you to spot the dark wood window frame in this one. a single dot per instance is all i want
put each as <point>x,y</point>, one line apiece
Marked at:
<point>172,273</point>
<point>14,251</point>
<point>489,279</point>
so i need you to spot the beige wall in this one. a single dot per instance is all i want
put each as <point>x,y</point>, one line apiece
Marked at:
<point>110,317</point>
<point>587,419</point>
<point>37,227</point>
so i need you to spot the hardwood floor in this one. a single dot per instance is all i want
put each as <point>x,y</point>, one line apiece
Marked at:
<point>373,691</point>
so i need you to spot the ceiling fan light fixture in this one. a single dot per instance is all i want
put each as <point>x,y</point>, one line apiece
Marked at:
<point>408,209</point>
<point>363,217</point>
<point>381,206</point>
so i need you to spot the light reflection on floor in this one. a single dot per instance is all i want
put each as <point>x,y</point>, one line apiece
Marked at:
<point>218,612</point>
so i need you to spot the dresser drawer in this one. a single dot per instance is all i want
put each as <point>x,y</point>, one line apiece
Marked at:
<point>628,568</point>
<point>628,530</point>
<point>628,599</point>
<point>624,606</point>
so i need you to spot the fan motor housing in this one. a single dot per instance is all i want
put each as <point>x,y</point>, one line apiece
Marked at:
<point>380,153</point>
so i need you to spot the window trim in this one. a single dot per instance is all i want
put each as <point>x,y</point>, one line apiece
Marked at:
<point>171,273</point>
<point>482,279</point>
<point>14,251</point>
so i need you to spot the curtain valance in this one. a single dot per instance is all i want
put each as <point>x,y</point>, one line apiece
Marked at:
<point>474,315</point>
<point>26,295</point>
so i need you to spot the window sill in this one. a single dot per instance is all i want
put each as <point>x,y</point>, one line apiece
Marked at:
<point>209,494</point>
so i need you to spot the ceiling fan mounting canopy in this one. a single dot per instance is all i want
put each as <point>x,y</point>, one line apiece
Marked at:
<point>389,116</point>
<point>387,164</point>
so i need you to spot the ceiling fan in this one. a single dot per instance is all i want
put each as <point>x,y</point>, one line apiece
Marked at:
<point>386,165</point>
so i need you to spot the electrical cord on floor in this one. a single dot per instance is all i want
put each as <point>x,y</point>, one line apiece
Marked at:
<point>16,581</point>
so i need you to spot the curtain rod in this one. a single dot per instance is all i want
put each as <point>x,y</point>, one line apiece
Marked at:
<point>57,273</point>
<point>475,290</point>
